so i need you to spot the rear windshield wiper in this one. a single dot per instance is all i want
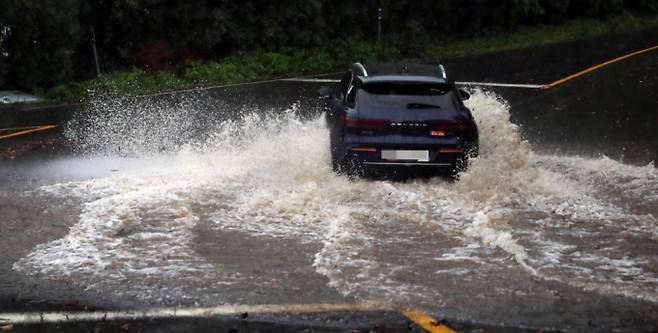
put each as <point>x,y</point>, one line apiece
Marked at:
<point>422,106</point>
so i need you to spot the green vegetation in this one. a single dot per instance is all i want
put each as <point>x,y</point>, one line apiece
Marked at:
<point>37,42</point>
<point>541,35</point>
<point>259,64</point>
<point>154,45</point>
<point>241,67</point>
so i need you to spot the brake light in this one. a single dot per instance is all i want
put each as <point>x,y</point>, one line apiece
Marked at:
<point>365,123</point>
<point>451,150</point>
<point>364,148</point>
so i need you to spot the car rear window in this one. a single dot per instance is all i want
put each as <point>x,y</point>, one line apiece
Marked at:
<point>402,95</point>
<point>406,88</point>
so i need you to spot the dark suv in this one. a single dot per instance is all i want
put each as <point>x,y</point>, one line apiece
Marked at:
<point>399,116</point>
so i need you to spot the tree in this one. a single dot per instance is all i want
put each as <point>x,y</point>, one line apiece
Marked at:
<point>4,33</point>
<point>43,36</point>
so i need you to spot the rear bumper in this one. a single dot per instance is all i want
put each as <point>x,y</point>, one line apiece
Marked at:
<point>402,164</point>
<point>437,158</point>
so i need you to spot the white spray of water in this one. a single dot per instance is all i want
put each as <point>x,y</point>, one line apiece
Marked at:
<point>269,174</point>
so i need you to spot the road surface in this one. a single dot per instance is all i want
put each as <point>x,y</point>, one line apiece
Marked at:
<point>227,197</point>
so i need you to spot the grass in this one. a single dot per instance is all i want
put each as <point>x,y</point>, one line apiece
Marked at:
<point>258,64</point>
<point>526,36</point>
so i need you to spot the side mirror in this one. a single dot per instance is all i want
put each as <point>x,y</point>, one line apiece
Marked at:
<point>326,91</point>
<point>463,94</point>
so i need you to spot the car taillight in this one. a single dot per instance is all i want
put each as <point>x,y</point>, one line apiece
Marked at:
<point>451,150</point>
<point>364,148</point>
<point>365,123</point>
<point>439,128</point>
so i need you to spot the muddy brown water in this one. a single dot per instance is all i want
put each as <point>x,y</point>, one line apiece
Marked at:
<point>208,199</point>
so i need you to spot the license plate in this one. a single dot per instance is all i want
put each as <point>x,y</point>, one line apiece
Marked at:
<point>406,155</point>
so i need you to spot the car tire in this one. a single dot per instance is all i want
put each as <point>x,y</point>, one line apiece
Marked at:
<point>346,166</point>
<point>339,161</point>
<point>337,165</point>
<point>340,164</point>
<point>460,164</point>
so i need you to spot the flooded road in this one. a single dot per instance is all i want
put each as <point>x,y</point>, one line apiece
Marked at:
<point>246,209</point>
<point>227,197</point>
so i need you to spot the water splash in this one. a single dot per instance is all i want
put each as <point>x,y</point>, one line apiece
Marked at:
<point>513,216</point>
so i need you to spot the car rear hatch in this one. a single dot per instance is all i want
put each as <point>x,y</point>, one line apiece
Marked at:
<point>408,114</point>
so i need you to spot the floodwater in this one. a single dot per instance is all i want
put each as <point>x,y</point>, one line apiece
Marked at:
<point>247,210</point>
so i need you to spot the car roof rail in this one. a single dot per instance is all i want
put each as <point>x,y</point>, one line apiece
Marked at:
<point>360,69</point>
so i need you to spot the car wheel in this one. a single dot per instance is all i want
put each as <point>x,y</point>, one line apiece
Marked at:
<point>460,165</point>
<point>337,162</point>
<point>347,166</point>
<point>336,165</point>
<point>340,164</point>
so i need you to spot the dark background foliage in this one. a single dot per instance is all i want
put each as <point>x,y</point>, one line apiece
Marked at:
<point>46,42</point>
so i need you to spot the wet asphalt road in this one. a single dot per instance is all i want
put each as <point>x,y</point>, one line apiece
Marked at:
<point>610,112</point>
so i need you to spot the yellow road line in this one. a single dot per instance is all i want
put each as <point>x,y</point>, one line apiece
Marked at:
<point>593,68</point>
<point>172,92</point>
<point>17,128</point>
<point>26,131</point>
<point>425,321</point>
<point>225,85</point>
